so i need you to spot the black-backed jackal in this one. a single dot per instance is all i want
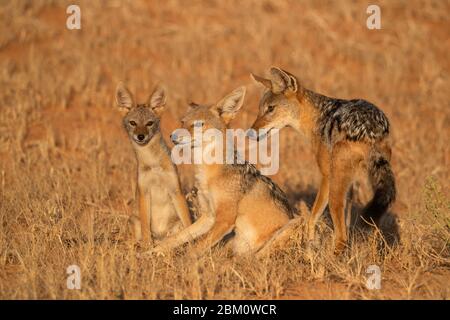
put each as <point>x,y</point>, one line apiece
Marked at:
<point>232,197</point>
<point>162,206</point>
<point>346,135</point>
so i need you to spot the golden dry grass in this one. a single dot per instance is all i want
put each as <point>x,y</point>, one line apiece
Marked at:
<point>67,171</point>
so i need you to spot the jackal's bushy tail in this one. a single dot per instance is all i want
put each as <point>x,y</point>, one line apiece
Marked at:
<point>383,184</point>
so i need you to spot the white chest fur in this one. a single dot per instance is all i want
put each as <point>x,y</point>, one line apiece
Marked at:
<point>158,181</point>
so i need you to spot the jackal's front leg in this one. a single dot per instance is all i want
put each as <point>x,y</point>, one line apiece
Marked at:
<point>321,201</point>
<point>192,232</point>
<point>224,224</point>
<point>179,202</point>
<point>195,230</point>
<point>319,206</point>
<point>144,214</point>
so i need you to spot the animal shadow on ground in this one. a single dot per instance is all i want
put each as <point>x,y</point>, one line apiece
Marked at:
<point>358,228</point>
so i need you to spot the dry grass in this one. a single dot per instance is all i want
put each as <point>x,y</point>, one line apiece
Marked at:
<point>67,170</point>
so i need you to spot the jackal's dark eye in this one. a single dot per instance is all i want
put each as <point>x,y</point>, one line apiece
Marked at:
<point>133,123</point>
<point>270,108</point>
<point>149,124</point>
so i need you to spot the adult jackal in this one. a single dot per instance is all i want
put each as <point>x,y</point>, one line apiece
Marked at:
<point>346,135</point>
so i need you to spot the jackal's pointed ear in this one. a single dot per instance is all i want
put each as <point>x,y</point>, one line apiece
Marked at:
<point>265,82</point>
<point>282,81</point>
<point>228,106</point>
<point>124,98</point>
<point>157,100</point>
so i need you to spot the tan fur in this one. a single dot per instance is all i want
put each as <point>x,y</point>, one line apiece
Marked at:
<point>338,163</point>
<point>252,214</point>
<point>162,206</point>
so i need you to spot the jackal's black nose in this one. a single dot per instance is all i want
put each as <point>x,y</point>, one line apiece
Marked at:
<point>140,137</point>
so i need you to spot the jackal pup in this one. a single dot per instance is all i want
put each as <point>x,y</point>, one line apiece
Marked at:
<point>346,135</point>
<point>162,207</point>
<point>232,197</point>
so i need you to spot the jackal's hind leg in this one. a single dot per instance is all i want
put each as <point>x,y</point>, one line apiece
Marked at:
<point>135,225</point>
<point>217,233</point>
<point>145,215</point>
<point>343,165</point>
<point>280,237</point>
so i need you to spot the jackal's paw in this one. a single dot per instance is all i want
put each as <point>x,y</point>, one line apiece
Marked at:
<point>157,251</point>
<point>314,243</point>
<point>312,248</point>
